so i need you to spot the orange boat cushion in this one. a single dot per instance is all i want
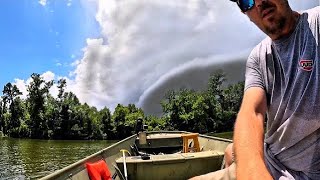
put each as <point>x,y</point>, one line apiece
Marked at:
<point>98,170</point>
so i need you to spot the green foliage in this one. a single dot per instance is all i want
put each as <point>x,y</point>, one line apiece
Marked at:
<point>64,117</point>
<point>9,93</point>
<point>107,126</point>
<point>156,124</point>
<point>17,110</point>
<point>24,130</point>
<point>12,108</point>
<point>212,110</point>
<point>124,118</point>
<point>38,90</point>
<point>186,110</point>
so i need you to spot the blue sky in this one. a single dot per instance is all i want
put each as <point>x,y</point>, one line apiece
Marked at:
<point>36,38</point>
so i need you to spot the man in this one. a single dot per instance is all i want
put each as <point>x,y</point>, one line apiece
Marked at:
<point>283,82</point>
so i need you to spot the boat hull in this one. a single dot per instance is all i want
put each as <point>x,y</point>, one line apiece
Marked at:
<point>159,166</point>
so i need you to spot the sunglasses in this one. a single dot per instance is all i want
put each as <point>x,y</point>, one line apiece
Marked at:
<point>244,5</point>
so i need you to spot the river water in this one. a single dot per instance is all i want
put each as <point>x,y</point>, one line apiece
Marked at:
<point>32,159</point>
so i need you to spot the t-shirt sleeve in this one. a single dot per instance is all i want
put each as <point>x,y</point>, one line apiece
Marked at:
<point>314,18</point>
<point>253,76</point>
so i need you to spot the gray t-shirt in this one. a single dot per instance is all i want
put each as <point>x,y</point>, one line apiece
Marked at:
<point>289,71</point>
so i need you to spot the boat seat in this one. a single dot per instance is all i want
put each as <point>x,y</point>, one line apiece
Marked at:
<point>186,138</point>
<point>171,166</point>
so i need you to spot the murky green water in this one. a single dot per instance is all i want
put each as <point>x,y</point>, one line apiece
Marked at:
<point>32,159</point>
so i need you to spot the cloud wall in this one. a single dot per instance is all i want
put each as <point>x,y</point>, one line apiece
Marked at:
<point>150,46</point>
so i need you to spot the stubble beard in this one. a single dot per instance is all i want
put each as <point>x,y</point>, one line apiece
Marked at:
<point>276,27</point>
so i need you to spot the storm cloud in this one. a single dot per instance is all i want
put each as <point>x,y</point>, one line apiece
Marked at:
<point>150,46</point>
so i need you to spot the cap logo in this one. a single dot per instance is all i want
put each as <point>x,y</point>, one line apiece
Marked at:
<point>306,65</point>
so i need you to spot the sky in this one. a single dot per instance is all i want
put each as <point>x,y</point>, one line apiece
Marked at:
<point>41,36</point>
<point>125,51</point>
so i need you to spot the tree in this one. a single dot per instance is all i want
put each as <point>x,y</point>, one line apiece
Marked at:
<point>43,116</point>
<point>9,93</point>
<point>51,115</point>
<point>13,108</point>
<point>1,116</point>
<point>132,116</point>
<point>68,109</point>
<point>17,112</point>
<point>213,97</point>
<point>38,91</point>
<point>170,107</point>
<point>62,84</point>
<point>212,110</point>
<point>86,115</point>
<point>232,98</point>
<point>124,118</point>
<point>106,120</point>
<point>119,118</point>
<point>156,123</point>
<point>186,110</point>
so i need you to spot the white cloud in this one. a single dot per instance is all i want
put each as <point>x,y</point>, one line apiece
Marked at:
<point>69,2</point>
<point>145,46</point>
<point>43,2</point>
<point>150,46</point>
<point>47,76</point>
<point>75,63</point>
<point>144,40</point>
<point>21,84</point>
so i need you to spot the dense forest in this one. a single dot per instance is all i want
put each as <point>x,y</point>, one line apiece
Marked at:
<point>42,116</point>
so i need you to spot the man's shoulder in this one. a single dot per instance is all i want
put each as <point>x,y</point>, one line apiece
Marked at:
<point>312,13</point>
<point>266,42</point>
<point>315,10</point>
<point>263,47</point>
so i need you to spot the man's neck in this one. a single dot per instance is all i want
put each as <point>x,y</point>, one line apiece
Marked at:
<point>289,28</point>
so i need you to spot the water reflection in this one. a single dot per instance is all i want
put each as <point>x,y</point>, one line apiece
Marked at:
<point>32,159</point>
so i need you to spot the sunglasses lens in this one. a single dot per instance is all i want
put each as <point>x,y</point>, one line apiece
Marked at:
<point>245,5</point>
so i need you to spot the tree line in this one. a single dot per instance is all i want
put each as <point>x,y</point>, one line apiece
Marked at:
<point>42,116</point>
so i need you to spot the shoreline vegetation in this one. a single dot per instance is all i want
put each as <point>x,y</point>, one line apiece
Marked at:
<point>42,116</point>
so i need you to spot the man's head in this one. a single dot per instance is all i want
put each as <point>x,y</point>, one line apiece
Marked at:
<point>273,17</point>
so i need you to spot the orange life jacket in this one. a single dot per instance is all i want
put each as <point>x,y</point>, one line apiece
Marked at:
<point>98,170</point>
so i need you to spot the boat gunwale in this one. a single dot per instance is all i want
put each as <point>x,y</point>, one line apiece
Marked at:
<point>200,135</point>
<point>84,160</point>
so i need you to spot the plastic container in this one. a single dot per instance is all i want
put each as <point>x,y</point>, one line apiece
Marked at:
<point>142,138</point>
